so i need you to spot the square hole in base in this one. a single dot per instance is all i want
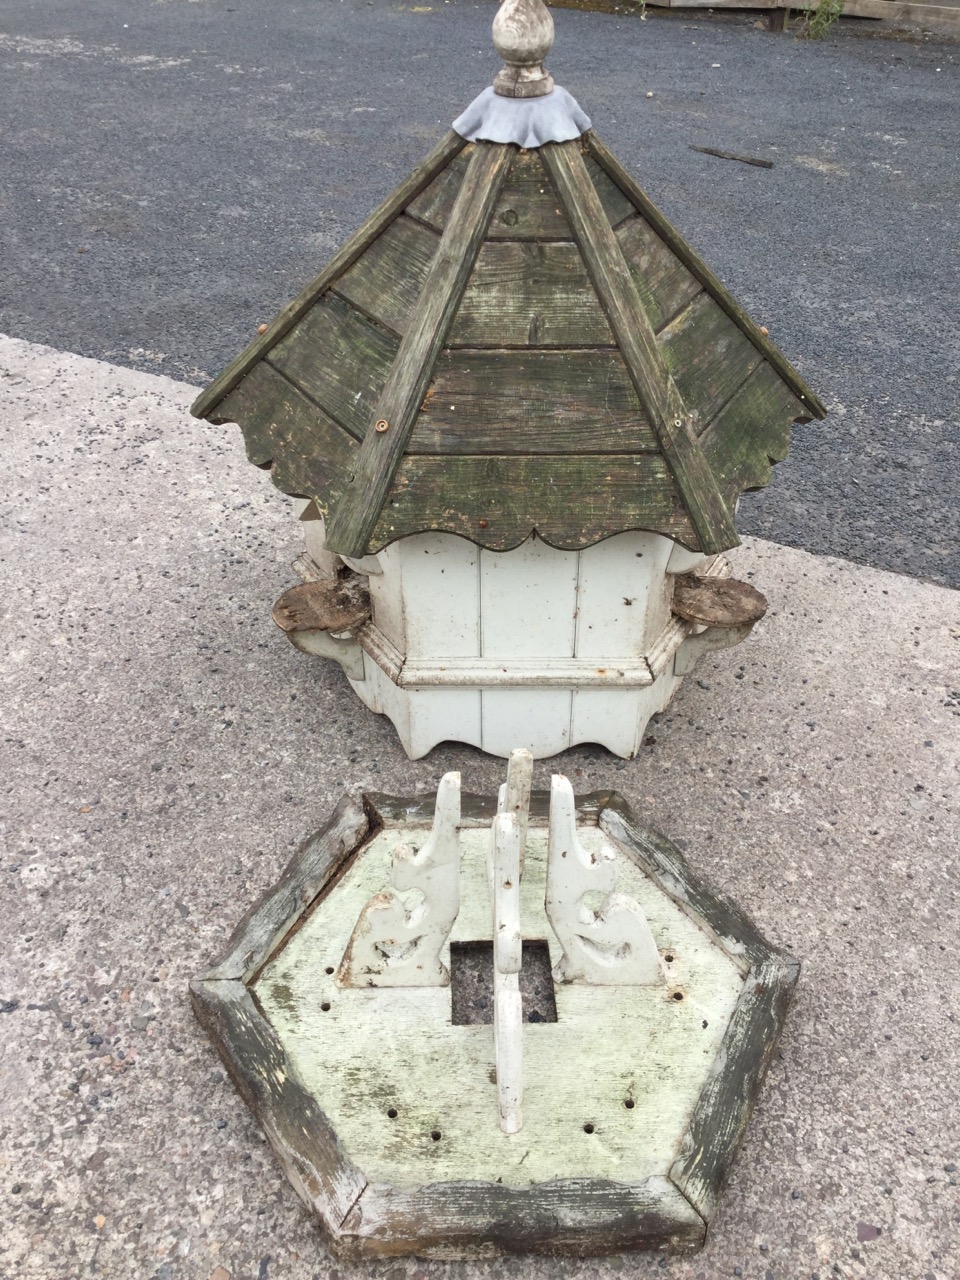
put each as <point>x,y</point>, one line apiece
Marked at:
<point>471,983</point>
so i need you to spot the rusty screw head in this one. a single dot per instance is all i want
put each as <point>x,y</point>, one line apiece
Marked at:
<point>381,425</point>
<point>482,524</point>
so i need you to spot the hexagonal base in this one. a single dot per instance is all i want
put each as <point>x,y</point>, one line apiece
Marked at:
<point>384,1112</point>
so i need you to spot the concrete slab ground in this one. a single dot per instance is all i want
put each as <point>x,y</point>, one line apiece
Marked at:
<point>164,750</point>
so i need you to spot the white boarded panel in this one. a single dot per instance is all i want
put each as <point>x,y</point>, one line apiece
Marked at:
<point>441,596</point>
<point>621,596</point>
<point>538,719</point>
<point>617,718</point>
<point>441,715</point>
<point>386,597</point>
<point>528,601</point>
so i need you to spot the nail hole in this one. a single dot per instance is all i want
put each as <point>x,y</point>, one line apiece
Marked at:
<point>329,968</point>
<point>678,995</point>
<point>629,1103</point>
<point>588,1128</point>
<point>669,959</point>
<point>392,1112</point>
<point>325,1006</point>
<point>436,1135</point>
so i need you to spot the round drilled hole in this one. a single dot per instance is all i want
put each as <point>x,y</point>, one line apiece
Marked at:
<point>629,1103</point>
<point>436,1135</point>
<point>325,1006</point>
<point>329,969</point>
<point>678,995</point>
<point>668,959</point>
<point>588,1128</point>
<point>392,1112</point>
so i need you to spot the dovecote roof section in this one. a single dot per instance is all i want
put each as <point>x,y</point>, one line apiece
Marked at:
<point>515,342</point>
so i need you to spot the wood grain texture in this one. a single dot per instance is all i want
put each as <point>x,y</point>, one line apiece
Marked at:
<point>309,455</point>
<point>698,268</point>
<point>717,602</point>
<point>336,604</point>
<point>387,281</point>
<point>351,523</point>
<point>528,208</point>
<point>298,1131</point>
<point>709,357</point>
<point>525,293</point>
<point>497,502</point>
<point>663,406</point>
<point>392,207</point>
<point>616,204</point>
<point>266,923</point>
<point>339,359</point>
<point>664,284</point>
<point>659,857</point>
<point>531,402</point>
<point>724,1107</point>
<point>721,1116</point>
<point>752,432</point>
<point>577,1217</point>
<point>434,204</point>
<point>475,810</point>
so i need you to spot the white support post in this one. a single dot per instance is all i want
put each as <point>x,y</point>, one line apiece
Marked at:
<point>391,947</point>
<point>514,795</point>
<point>507,957</point>
<point>606,941</point>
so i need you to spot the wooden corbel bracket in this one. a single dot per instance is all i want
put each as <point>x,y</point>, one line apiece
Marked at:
<point>322,618</point>
<point>726,608</point>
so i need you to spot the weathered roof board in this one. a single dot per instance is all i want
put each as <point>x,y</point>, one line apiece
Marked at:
<point>547,354</point>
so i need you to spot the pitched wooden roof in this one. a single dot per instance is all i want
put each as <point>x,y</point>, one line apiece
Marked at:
<point>515,341</point>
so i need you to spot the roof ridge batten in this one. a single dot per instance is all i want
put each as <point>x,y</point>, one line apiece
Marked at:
<point>352,522</point>
<point>695,264</point>
<point>658,394</point>
<point>432,164</point>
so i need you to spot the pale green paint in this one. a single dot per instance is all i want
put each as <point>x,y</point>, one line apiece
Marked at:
<point>376,1049</point>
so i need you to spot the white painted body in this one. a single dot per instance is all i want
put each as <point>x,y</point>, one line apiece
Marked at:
<point>605,936</point>
<point>392,946</point>
<point>533,646</point>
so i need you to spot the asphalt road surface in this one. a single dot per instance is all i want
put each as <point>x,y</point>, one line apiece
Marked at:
<point>174,172</point>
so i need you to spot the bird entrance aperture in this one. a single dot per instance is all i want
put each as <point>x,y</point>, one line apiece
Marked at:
<point>471,983</point>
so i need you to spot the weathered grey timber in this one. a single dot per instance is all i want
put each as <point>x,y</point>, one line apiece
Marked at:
<point>516,360</point>
<point>455,1219</point>
<point>665,410</point>
<point>521,344</point>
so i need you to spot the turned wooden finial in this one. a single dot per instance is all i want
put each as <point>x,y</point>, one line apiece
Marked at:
<point>523,36</point>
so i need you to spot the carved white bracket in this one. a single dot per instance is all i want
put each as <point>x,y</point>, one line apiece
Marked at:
<point>393,947</point>
<point>607,941</point>
<point>507,957</point>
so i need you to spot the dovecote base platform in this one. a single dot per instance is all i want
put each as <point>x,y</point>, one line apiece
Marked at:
<point>381,1103</point>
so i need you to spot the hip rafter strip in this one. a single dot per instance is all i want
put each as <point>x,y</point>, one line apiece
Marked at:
<point>388,433</point>
<point>664,407</point>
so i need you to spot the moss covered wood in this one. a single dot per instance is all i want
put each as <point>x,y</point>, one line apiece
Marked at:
<point>350,525</point>
<point>531,402</point>
<point>438,159</point>
<point>665,410</point>
<point>571,500</point>
<point>671,237</point>
<point>528,367</point>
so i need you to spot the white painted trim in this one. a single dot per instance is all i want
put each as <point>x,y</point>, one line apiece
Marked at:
<point>513,672</point>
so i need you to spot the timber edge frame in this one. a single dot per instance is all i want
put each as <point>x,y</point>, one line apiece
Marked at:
<point>458,1220</point>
